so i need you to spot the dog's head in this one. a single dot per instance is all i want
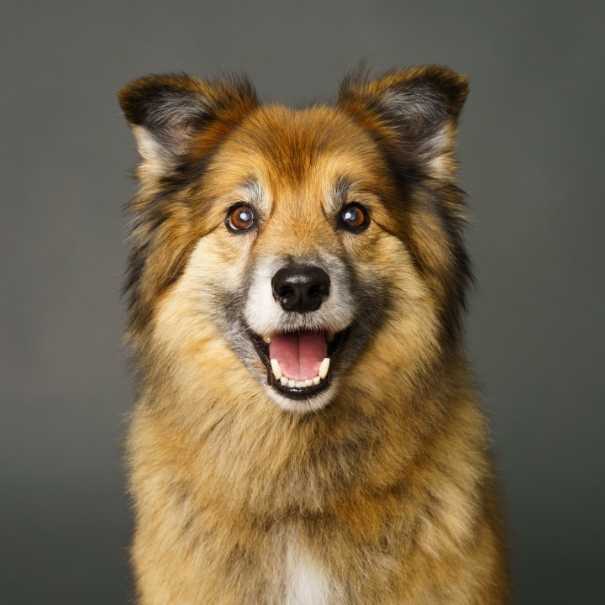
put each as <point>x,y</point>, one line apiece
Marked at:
<point>307,239</point>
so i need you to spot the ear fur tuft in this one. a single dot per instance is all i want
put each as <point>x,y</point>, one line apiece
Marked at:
<point>416,109</point>
<point>167,111</point>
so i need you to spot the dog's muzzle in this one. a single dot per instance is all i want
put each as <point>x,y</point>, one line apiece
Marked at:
<point>298,314</point>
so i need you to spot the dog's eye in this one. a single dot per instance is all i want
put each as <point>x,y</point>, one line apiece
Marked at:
<point>354,217</point>
<point>240,217</point>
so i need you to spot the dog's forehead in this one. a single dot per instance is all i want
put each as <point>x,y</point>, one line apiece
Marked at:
<point>306,149</point>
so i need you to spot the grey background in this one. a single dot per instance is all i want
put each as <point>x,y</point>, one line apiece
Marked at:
<point>532,150</point>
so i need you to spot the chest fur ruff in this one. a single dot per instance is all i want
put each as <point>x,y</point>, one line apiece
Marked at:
<point>306,581</point>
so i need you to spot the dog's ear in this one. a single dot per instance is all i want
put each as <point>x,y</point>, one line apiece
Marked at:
<point>412,112</point>
<point>175,116</point>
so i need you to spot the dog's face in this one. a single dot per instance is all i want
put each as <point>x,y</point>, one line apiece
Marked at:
<point>306,238</point>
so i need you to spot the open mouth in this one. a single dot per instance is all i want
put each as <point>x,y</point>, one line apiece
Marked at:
<point>299,364</point>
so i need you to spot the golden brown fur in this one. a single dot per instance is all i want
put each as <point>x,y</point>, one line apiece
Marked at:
<point>388,489</point>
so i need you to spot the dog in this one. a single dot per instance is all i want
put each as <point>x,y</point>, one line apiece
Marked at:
<point>306,428</point>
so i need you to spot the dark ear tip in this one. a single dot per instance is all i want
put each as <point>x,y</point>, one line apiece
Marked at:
<point>136,97</point>
<point>139,97</point>
<point>125,101</point>
<point>453,85</point>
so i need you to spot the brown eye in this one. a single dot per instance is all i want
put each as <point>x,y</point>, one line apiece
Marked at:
<point>240,217</point>
<point>354,218</point>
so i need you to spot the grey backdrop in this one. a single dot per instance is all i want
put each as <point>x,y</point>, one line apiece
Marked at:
<point>532,141</point>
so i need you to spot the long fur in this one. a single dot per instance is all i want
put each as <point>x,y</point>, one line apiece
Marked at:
<point>383,494</point>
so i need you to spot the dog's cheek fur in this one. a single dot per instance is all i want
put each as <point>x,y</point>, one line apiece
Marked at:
<point>221,295</point>
<point>188,349</point>
<point>435,220</point>
<point>162,239</point>
<point>403,316</point>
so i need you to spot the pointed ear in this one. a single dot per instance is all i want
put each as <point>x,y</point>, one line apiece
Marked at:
<point>173,115</point>
<point>413,112</point>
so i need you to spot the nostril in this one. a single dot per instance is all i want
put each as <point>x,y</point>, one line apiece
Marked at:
<point>319,290</point>
<point>315,294</point>
<point>285,290</point>
<point>286,296</point>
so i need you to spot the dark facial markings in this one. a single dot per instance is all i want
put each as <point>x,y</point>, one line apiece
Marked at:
<point>373,303</point>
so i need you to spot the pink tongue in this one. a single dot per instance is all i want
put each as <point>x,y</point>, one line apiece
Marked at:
<point>299,355</point>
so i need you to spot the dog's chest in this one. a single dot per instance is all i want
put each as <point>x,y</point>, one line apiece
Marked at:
<point>306,579</point>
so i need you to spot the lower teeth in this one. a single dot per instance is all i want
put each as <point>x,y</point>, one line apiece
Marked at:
<point>300,384</point>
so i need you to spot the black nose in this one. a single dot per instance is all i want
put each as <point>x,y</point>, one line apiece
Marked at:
<point>300,288</point>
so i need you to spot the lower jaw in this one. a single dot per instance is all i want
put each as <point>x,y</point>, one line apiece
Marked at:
<point>298,393</point>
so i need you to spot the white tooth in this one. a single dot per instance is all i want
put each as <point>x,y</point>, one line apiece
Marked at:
<point>308,383</point>
<point>276,369</point>
<point>267,339</point>
<point>316,380</point>
<point>284,381</point>
<point>291,383</point>
<point>300,384</point>
<point>324,368</point>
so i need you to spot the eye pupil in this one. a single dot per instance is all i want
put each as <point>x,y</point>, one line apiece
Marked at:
<point>351,215</point>
<point>240,217</point>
